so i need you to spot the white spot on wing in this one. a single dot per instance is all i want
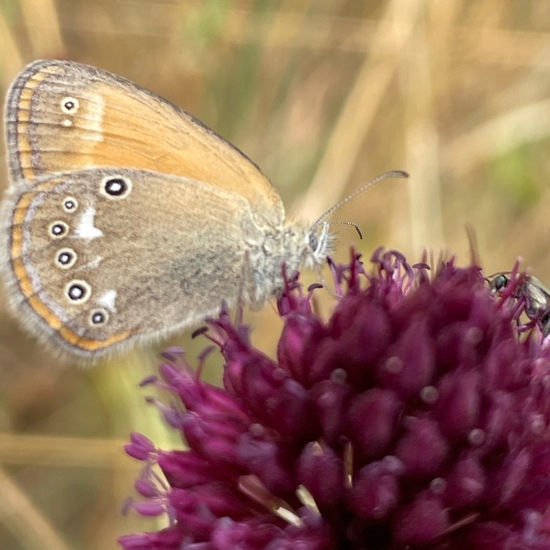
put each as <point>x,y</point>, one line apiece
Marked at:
<point>92,264</point>
<point>107,300</point>
<point>85,228</point>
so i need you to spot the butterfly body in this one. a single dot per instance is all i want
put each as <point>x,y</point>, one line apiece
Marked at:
<point>127,219</point>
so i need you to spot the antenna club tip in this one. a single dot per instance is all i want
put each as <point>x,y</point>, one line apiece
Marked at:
<point>399,174</point>
<point>363,188</point>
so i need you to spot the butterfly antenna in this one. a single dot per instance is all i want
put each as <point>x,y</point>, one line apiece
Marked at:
<point>347,223</point>
<point>362,189</point>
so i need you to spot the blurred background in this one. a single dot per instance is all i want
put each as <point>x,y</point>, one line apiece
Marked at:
<point>324,96</point>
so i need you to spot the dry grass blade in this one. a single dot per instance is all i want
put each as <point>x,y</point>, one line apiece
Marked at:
<point>346,140</point>
<point>24,520</point>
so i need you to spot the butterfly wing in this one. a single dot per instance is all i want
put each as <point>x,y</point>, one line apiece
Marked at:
<point>99,258</point>
<point>62,115</point>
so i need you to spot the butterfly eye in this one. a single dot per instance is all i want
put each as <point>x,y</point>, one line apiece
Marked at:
<point>116,187</point>
<point>69,105</point>
<point>78,291</point>
<point>58,229</point>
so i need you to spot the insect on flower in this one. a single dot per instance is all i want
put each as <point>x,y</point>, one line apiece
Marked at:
<point>529,289</point>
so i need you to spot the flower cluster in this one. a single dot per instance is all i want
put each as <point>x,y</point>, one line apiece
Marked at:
<point>417,416</point>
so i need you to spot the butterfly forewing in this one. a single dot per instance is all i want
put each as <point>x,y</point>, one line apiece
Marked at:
<point>63,116</point>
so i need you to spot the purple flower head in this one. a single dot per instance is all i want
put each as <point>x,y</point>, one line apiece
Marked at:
<point>416,417</point>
